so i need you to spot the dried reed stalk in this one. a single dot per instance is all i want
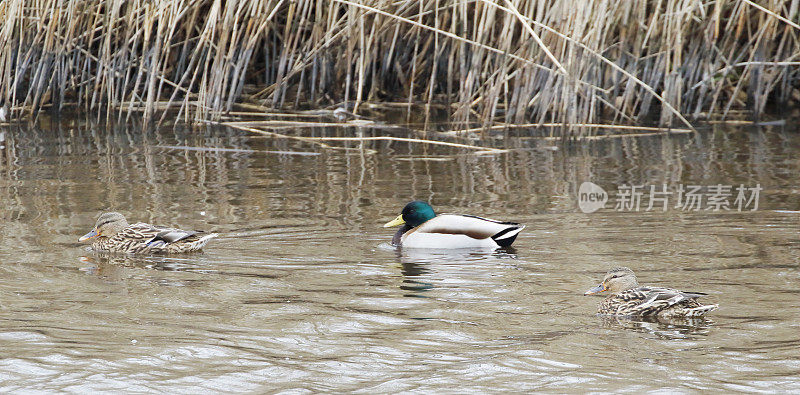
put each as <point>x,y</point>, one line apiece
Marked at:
<point>505,62</point>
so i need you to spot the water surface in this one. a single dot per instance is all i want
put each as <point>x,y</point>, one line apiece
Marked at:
<point>302,292</point>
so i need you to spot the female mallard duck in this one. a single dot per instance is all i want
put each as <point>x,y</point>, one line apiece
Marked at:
<point>422,228</point>
<point>112,233</point>
<point>629,299</point>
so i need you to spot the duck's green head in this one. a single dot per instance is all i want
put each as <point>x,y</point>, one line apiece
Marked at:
<point>414,214</point>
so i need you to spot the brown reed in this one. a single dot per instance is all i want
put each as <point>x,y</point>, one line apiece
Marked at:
<point>488,62</point>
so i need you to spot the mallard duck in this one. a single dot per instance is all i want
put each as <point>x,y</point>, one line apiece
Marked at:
<point>629,299</point>
<point>422,228</point>
<point>112,233</point>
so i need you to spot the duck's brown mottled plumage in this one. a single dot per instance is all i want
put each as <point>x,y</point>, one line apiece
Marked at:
<point>629,299</point>
<point>113,234</point>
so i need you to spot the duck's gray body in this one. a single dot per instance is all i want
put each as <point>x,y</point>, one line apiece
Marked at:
<point>458,231</point>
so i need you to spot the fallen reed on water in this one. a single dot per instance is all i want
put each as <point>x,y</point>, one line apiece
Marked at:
<point>487,62</point>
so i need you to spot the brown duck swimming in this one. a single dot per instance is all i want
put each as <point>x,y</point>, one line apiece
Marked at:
<point>629,299</point>
<point>112,233</point>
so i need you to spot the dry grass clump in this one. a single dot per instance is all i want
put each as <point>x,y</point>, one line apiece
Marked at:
<point>489,62</point>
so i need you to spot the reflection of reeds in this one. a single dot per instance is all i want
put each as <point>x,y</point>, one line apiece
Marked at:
<point>56,177</point>
<point>506,61</point>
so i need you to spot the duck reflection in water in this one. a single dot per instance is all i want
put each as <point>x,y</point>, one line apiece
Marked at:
<point>118,267</point>
<point>667,328</point>
<point>414,269</point>
<point>416,265</point>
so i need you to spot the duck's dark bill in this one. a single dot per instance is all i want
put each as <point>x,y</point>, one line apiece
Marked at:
<point>595,290</point>
<point>89,235</point>
<point>395,222</point>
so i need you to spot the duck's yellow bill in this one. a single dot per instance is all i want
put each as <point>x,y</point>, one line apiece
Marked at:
<point>395,222</point>
<point>595,290</point>
<point>89,235</point>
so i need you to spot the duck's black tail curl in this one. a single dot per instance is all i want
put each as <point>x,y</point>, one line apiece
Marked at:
<point>506,237</point>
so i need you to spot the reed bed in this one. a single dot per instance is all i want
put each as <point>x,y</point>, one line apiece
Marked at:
<point>485,62</point>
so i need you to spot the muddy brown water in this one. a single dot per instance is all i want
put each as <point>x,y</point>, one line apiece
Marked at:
<point>302,293</point>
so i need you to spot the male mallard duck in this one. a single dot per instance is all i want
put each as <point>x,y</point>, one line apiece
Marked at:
<point>112,233</point>
<point>422,228</point>
<point>629,299</point>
